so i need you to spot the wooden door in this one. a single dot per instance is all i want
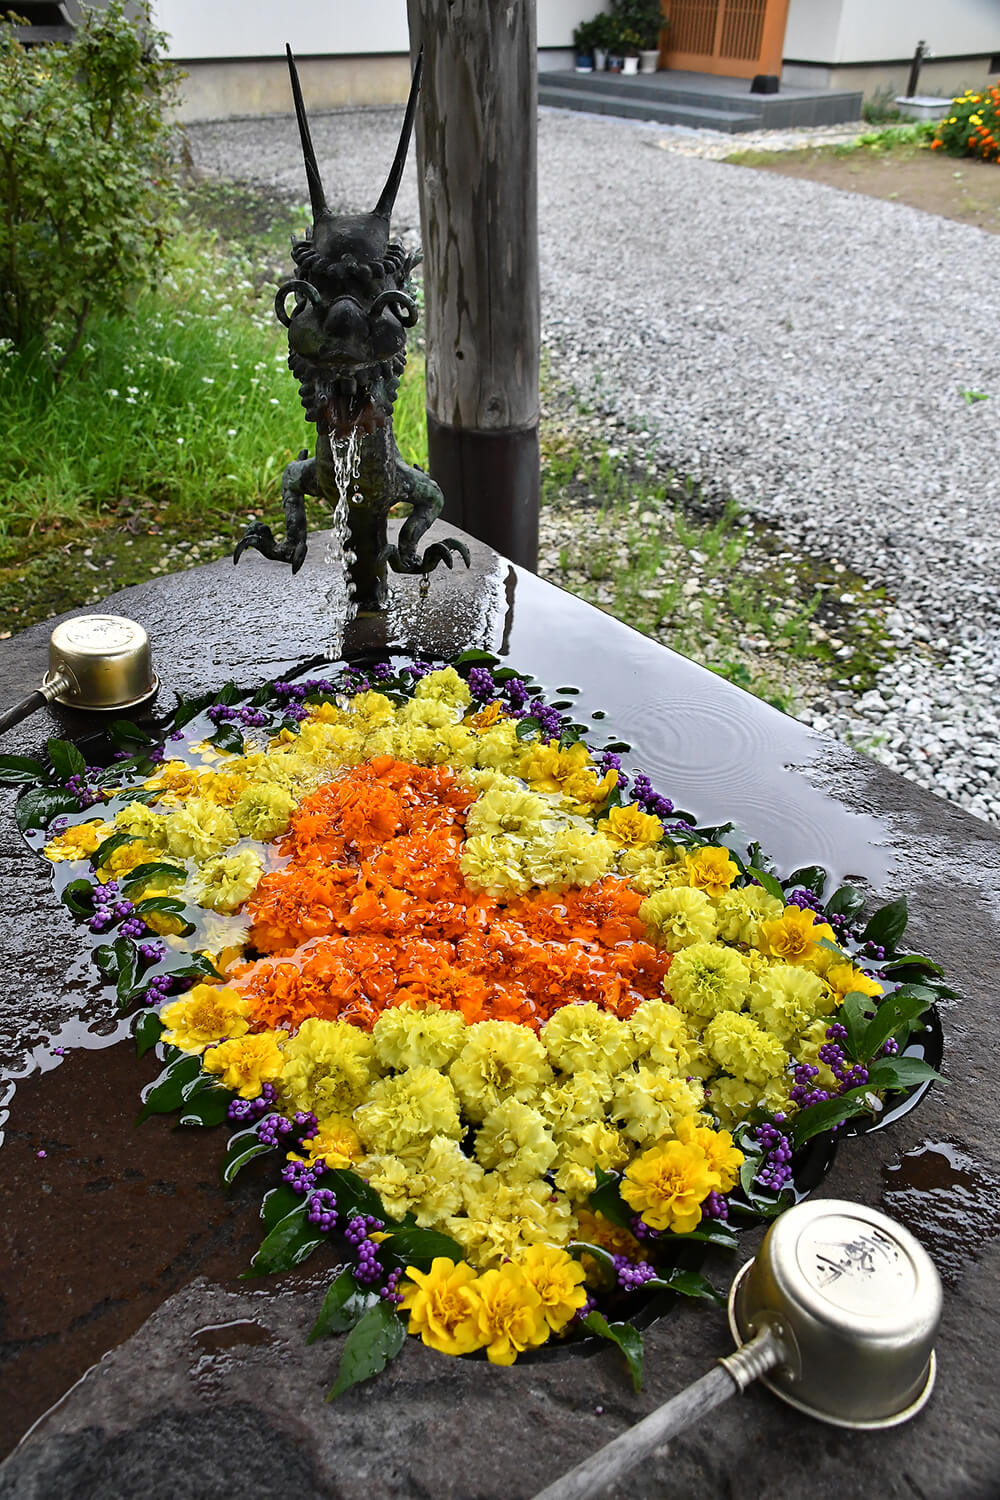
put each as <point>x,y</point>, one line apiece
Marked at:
<point>735,38</point>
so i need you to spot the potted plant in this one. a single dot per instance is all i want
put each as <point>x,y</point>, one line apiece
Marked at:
<point>604,37</point>
<point>640,23</point>
<point>583,46</point>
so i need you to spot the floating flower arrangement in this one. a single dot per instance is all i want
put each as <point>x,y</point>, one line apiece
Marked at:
<point>520,1040</point>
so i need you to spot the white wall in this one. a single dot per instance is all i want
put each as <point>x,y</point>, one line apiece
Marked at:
<point>260,28</point>
<point>846,31</point>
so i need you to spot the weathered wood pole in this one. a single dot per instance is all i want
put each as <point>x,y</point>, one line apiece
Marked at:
<point>477,157</point>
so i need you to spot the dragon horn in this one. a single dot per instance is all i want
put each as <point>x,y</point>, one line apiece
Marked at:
<point>384,206</point>
<point>316,195</point>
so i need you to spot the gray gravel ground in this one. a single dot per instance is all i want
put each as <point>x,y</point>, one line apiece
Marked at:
<point>799,348</point>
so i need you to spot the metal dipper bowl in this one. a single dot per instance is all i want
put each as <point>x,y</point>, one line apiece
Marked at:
<point>95,662</point>
<point>837,1315</point>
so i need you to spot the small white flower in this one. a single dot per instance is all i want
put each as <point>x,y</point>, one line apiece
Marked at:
<point>230,432</point>
<point>180,442</point>
<point>208,380</point>
<point>111,391</point>
<point>275,401</point>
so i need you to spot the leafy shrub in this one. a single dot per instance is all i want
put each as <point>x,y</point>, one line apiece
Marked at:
<point>83,165</point>
<point>973,127</point>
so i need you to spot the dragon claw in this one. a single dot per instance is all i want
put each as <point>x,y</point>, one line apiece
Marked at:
<point>261,538</point>
<point>410,562</point>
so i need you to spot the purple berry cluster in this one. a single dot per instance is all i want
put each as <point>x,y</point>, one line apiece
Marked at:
<point>642,1231</point>
<point>609,761</point>
<point>806,900</point>
<point>369,1269</point>
<point>648,799</point>
<point>273,1129</point>
<point>83,786</point>
<point>482,684</point>
<point>802,1093</point>
<point>776,1168</point>
<point>151,953</point>
<point>323,1210</point>
<point>300,1177</point>
<point>252,718</point>
<point>158,988</point>
<point>248,1111</point>
<point>848,1075</point>
<point>111,907</point>
<point>632,1274</point>
<point>715,1207</point>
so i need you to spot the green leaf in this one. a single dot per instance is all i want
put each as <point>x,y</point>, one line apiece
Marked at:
<point>37,807</point>
<point>153,870</point>
<point>147,1029</point>
<point>291,1240</point>
<point>823,1116</point>
<point>277,1203</point>
<point>527,728</point>
<point>20,770</point>
<point>243,1147</point>
<point>579,1248</point>
<point>892,1014</point>
<point>688,1284</point>
<point>369,1347</point>
<point>171,904</point>
<point>475,659</point>
<point>854,1014</point>
<point>79,897</point>
<point>200,967</point>
<point>607,1200</point>
<point>628,1339</point>
<point>418,1247</point>
<point>166,1093</point>
<point>207,1106</point>
<point>812,877</point>
<point>912,961</point>
<point>901,1073</point>
<point>709,1232</point>
<point>344,1305</point>
<point>104,850</point>
<point>353,1194</point>
<point>888,924</point>
<point>66,759</point>
<point>847,902</point>
<point>770,885</point>
<point>114,958</point>
<point>228,737</point>
<point>122,733</point>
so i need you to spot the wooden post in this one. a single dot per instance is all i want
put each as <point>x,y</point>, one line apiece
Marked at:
<point>477,157</point>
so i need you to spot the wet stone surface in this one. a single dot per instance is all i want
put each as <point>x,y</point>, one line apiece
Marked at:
<point>121,1252</point>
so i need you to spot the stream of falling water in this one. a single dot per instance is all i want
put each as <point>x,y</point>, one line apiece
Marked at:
<point>346,454</point>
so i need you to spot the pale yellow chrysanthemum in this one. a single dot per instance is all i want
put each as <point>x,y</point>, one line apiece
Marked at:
<point>648,1104</point>
<point>199,829</point>
<point>595,1144</point>
<point>494,865</point>
<point>586,1037</point>
<point>515,814</point>
<point>410,1107</point>
<point>575,1100</point>
<point>678,917</point>
<point>513,1140</point>
<point>328,1067</point>
<point>369,710</point>
<point>264,811</point>
<point>392,1178</point>
<point>408,1038</point>
<point>664,1037</point>
<point>143,823</point>
<point>741,913</point>
<point>647,868</point>
<point>499,747</point>
<point>444,686</point>
<point>573,856</point>
<point>226,882</point>
<point>785,999</point>
<point>440,1180</point>
<point>743,1048</point>
<point>500,1060</point>
<point>502,1217</point>
<point>706,978</point>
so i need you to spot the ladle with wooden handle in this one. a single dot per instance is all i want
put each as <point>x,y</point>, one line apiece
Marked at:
<point>836,1315</point>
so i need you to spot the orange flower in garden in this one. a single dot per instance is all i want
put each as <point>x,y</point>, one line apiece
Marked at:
<point>372,910</point>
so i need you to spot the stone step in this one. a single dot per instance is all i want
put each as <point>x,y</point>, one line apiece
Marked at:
<point>654,87</point>
<point>693,115</point>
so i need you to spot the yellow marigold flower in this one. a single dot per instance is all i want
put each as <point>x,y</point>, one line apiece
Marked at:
<point>336,1143</point>
<point>575,1100</point>
<point>586,1037</point>
<point>744,1049</point>
<point>161,922</point>
<point>844,978</point>
<point>795,936</point>
<point>205,1015</point>
<point>176,780</point>
<point>248,1062</point>
<point>786,998</point>
<point>647,867</point>
<point>667,1185</point>
<point>648,1104</point>
<point>263,811</point>
<point>407,1038</point>
<point>226,882</point>
<point>720,1153</point>
<point>514,1141</point>
<point>584,1147</point>
<point>441,1176</point>
<point>595,1229</point>
<point>445,686</point>
<point>502,1216</point>
<point>199,829</point>
<point>369,710</point>
<point>494,865</point>
<point>558,1280</point>
<point>439,1308</point>
<point>679,916</point>
<point>326,713</point>
<point>486,717</point>
<point>631,828</point>
<point>403,1110</point>
<point>576,855</point>
<point>509,1313</point>
<point>224,788</point>
<point>328,1067</point>
<point>77,842</point>
<point>711,870</point>
<point>706,978</point>
<point>569,772</point>
<point>500,1060</point>
<point>128,857</point>
<point>741,913</point>
<point>499,747</point>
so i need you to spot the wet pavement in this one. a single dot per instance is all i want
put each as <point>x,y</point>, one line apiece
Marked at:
<point>121,1252</point>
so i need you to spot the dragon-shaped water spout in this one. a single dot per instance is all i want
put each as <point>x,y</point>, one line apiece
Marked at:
<point>347,348</point>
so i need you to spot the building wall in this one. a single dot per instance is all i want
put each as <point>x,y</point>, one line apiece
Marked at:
<point>879,31</point>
